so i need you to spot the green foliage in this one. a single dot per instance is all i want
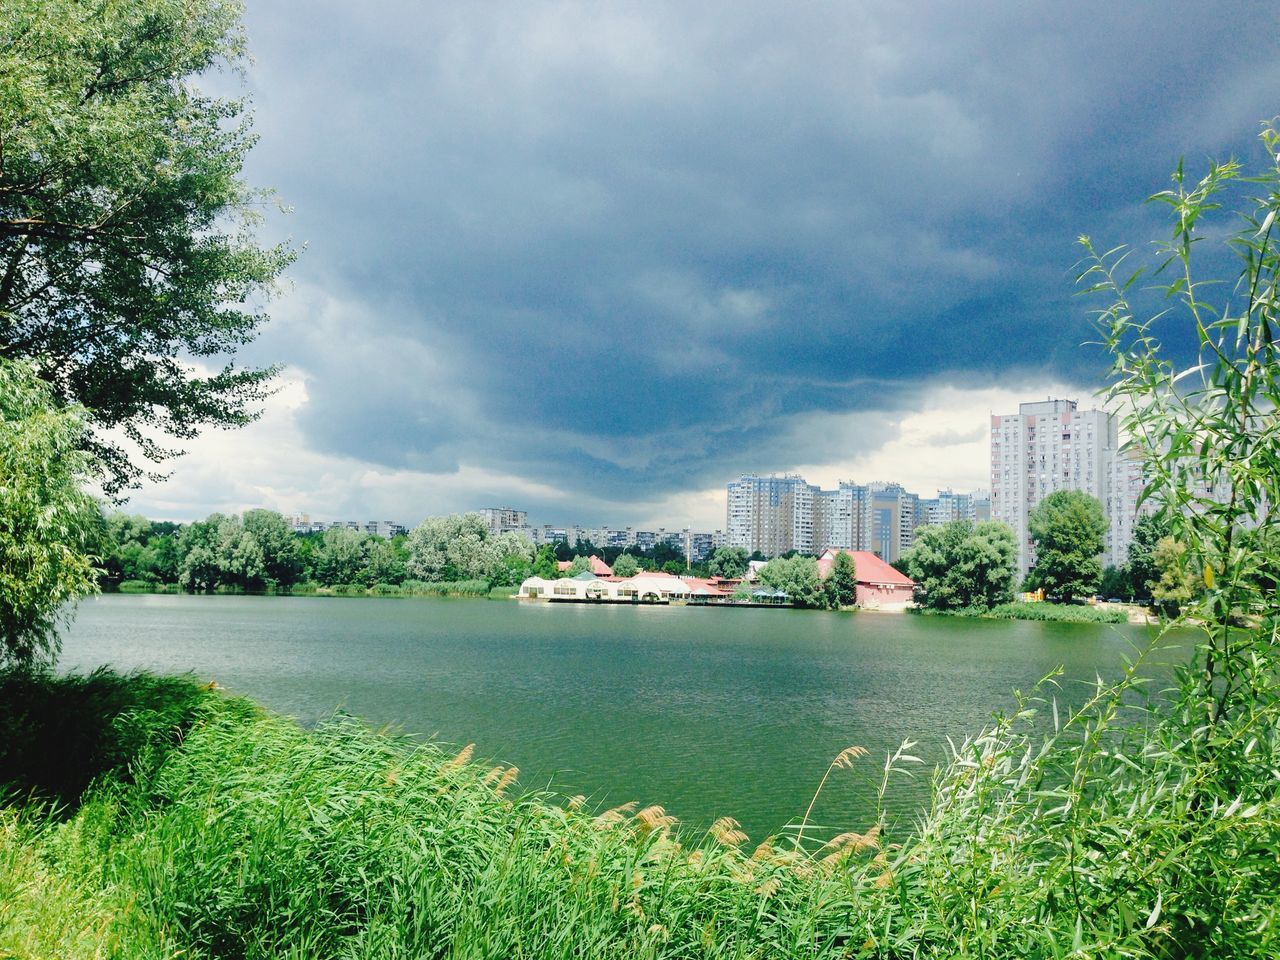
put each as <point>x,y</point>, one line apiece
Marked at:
<point>1150,529</point>
<point>544,564</point>
<point>578,565</point>
<point>625,566</point>
<point>1117,582</point>
<point>47,523</point>
<point>1206,428</point>
<point>281,563</point>
<point>122,180</point>
<point>459,547</point>
<point>841,586</point>
<point>1068,529</point>
<point>797,577</point>
<point>1176,584</point>
<point>728,562</point>
<point>1046,612</point>
<point>961,564</point>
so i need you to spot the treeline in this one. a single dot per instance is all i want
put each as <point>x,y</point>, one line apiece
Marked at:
<point>259,552</point>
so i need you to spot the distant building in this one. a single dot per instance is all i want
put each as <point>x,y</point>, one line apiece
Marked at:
<point>504,519</point>
<point>771,515</point>
<point>1053,445</point>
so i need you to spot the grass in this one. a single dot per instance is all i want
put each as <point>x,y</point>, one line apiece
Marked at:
<point>1056,612</point>
<point>190,823</point>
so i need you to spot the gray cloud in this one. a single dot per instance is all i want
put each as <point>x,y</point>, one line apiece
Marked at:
<point>638,248</point>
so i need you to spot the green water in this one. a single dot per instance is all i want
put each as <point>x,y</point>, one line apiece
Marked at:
<point>709,712</point>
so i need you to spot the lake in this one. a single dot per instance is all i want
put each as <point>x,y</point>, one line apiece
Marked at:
<point>708,712</point>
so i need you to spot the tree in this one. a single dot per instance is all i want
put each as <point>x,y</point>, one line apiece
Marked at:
<point>1150,529</point>
<point>578,565</point>
<point>962,564</point>
<point>448,548</point>
<point>728,562</point>
<point>279,546</point>
<point>1068,530</point>
<point>125,224</point>
<point>797,577</point>
<point>382,563</point>
<point>340,557</point>
<point>841,587</point>
<point>1117,581</point>
<point>625,566</point>
<point>47,523</point>
<point>1174,585</point>
<point>200,570</point>
<point>544,564</point>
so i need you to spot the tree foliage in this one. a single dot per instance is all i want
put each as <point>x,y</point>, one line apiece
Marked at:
<point>961,564</point>
<point>47,523</point>
<point>1068,529</point>
<point>626,565</point>
<point>125,223</point>
<point>797,577</point>
<point>1206,426</point>
<point>459,547</point>
<point>841,586</point>
<point>728,562</point>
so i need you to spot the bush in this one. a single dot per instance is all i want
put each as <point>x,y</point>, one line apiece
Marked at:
<point>1055,612</point>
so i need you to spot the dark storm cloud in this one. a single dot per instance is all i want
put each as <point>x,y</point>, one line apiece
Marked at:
<point>637,248</point>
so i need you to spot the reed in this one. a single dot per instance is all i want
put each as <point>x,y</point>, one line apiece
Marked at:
<point>213,829</point>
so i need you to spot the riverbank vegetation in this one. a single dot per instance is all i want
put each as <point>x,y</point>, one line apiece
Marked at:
<point>1042,611</point>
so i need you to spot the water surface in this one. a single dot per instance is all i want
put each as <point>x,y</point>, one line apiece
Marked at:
<point>709,712</point>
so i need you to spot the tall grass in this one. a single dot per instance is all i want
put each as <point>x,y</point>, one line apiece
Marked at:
<point>1054,612</point>
<point>235,833</point>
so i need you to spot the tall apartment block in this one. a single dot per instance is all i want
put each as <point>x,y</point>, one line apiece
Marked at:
<point>771,514</point>
<point>777,514</point>
<point>1053,445</point>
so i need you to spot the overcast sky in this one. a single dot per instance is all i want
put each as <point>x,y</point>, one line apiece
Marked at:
<point>595,259</point>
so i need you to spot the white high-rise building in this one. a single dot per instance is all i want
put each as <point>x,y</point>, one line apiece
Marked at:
<point>771,514</point>
<point>1053,445</point>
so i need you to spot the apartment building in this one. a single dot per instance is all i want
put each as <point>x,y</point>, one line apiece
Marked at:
<point>1053,445</point>
<point>771,515</point>
<point>504,519</point>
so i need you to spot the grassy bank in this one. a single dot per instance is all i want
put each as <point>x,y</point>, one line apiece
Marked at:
<point>150,817</point>
<point>1054,612</point>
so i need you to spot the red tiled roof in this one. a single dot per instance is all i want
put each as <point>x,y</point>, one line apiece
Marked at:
<point>869,568</point>
<point>598,566</point>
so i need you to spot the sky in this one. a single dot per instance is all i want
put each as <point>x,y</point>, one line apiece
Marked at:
<point>595,260</point>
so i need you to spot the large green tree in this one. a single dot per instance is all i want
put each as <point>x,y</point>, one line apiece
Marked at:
<point>126,246</point>
<point>1150,529</point>
<point>280,559</point>
<point>47,523</point>
<point>797,577</point>
<point>626,565</point>
<point>459,547</point>
<point>1068,529</point>
<point>728,562</point>
<point>841,586</point>
<point>962,564</point>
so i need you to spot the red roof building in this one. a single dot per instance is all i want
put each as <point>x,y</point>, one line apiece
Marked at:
<point>879,585</point>
<point>598,566</point>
